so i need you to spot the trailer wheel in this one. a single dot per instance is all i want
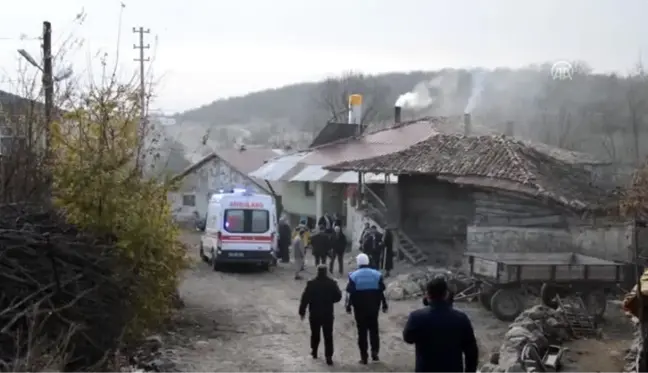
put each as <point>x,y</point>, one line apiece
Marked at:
<point>485,295</point>
<point>507,304</point>
<point>548,294</point>
<point>596,303</point>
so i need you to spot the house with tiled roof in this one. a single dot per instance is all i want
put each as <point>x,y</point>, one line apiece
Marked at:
<point>497,194</point>
<point>220,169</point>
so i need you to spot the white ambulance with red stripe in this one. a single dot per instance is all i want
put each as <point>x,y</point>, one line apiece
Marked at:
<point>240,227</point>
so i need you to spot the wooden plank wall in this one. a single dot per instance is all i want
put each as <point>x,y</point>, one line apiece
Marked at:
<point>504,209</point>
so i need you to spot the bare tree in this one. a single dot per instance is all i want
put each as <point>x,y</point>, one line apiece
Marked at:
<point>333,97</point>
<point>637,100</point>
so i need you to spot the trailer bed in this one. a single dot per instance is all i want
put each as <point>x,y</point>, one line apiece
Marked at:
<point>516,267</point>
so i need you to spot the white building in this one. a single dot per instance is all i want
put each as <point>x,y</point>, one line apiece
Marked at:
<point>223,169</point>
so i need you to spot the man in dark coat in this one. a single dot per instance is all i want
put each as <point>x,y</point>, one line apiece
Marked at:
<point>388,251</point>
<point>363,235</point>
<point>373,246</point>
<point>444,337</point>
<point>338,247</point>
<point>285,238</point>
<point>319,296</point>
<point>321,244</point>
<point>326,222</point>
<point>365,294</point>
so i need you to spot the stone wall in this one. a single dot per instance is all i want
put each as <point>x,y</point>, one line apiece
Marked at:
<point>612,242</point>
<point>512,239</point>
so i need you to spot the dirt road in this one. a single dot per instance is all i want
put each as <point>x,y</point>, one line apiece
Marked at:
<point>247,321</point>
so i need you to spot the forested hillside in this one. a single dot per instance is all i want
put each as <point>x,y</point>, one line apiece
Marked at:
<point>603,114</point>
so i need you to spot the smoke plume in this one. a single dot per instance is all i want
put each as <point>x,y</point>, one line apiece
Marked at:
<point>478,82</point>
<point>419,97</point>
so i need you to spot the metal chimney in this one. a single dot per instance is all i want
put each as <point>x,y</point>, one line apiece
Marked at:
<point>397,114</point>
<point>510,128</point>
<point>467,124</point>
<point>355,109</point>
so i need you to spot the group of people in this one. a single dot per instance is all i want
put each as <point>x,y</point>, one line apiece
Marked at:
<point>443,337</point>
<point>329,243</point>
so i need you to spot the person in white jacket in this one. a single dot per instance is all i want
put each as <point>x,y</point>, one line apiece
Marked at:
<point>299,253</point>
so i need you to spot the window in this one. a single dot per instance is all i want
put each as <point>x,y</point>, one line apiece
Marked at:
<point>247,221</point>
<point>189,200</point>
<point>309,189</point>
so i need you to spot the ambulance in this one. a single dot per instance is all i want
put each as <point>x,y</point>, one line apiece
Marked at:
<point>240,227</point>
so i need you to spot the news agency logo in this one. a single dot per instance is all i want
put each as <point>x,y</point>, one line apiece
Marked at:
<point>562,70</point>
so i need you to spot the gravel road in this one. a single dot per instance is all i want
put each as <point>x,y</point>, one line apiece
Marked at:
<point>247,321</point>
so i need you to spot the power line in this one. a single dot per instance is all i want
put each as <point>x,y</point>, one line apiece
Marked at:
<point>141,31</point>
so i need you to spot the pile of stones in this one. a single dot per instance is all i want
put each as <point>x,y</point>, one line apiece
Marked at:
<point>412,285</point>
<point>539,325</point>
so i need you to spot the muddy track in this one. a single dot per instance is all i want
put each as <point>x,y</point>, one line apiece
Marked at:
<point>246,320</point>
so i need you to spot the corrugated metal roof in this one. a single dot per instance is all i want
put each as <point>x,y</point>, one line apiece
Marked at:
<point>275,169</point>
<point>308,165</point>
<point>310,173</point>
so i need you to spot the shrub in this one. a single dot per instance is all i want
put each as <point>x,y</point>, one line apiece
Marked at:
<point>98,154</point>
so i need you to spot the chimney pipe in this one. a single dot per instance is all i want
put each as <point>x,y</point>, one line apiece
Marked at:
<point>510,128</point>
<point>355,109</point>
<point>397,114</point>
<point>467,124</point>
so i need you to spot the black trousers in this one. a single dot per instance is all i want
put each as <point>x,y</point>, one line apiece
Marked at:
<point>368,326</point>
<point>340,259</point>
<point>319,259</point>
<point>323,326</point>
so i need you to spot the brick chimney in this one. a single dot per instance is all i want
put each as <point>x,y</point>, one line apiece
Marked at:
<point>397,114</point>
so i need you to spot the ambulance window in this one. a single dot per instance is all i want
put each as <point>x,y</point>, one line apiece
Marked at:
<point>234,221</point>
<point>247,221</point>
<point>260,221</point>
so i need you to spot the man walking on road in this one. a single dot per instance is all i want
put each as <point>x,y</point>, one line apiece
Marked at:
<point>338,247</point>
<point>284,241</point>
<point>299,252</point>
<point>319,297</point>
<point>365,294</point>
<point>321,243</point>
<point>444,337</point>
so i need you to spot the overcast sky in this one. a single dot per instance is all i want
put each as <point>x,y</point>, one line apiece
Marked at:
<point>211,49</point>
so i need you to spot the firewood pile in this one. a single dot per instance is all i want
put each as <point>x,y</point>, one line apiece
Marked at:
<point>63,295</point>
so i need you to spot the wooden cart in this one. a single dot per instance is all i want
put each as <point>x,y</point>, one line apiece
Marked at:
<point>502,279</point>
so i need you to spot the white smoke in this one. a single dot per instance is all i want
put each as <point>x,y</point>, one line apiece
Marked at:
<point>419,97</point>
<point>478,83</point>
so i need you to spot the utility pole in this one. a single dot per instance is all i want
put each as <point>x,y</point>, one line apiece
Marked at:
<point>48,86</point>
<point>48,89</point>
<point>142,127</point>
<point>141,31</point>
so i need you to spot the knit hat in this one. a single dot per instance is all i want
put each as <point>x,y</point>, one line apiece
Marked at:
<point>362,260</point>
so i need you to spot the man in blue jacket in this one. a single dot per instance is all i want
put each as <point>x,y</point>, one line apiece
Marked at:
<point>444,337</point>
<point>365,294</point>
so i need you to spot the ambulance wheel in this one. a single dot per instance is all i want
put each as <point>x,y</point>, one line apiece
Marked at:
<point>202,255</point>
<point>214,264</point>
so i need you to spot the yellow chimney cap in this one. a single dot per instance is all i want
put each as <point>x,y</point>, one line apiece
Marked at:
<point>355,100</point>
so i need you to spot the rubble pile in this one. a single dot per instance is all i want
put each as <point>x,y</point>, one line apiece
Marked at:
<point>632,354</point>
<point>539,325</point>
<point>412,285</point>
